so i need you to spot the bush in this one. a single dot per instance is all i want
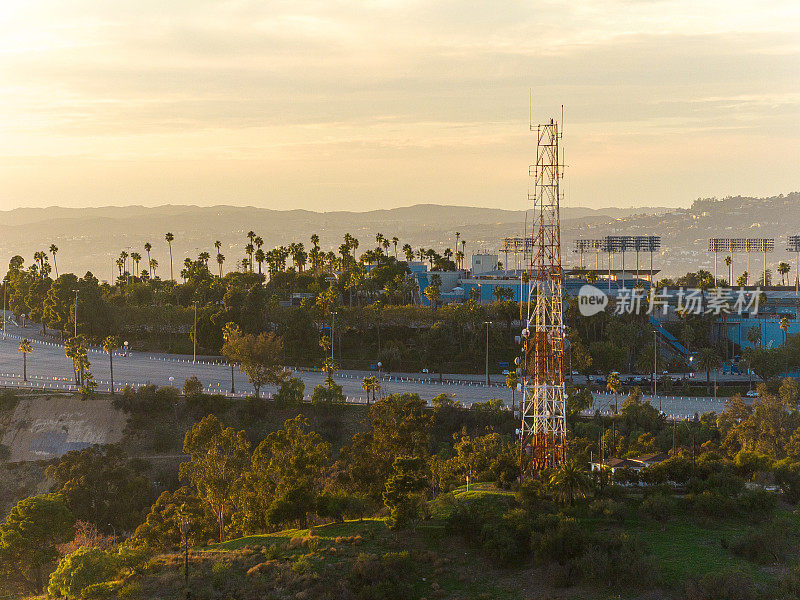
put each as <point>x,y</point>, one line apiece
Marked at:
<point>148,399</point>
<point>756,504</point>
<point>290,393</point>
<point>658,506</point>
<point>765,545</point>
<point>192,387</point>
<point>201,405</point>
<point>563,543</point>
<point>731,585</point>
<point>324,394</point>
<point>81,569</point>
<point>382,578</point>
<point>8,400</point>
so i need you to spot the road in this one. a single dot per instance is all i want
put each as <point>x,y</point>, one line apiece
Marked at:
<point>49,368</point>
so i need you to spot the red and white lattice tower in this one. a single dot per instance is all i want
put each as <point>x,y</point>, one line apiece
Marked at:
<point>543,431</point>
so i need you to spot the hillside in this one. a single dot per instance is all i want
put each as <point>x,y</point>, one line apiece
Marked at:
<point>91,239</point>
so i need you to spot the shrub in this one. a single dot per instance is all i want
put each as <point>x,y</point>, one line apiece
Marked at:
<point>382,578</point>
<point>658,506</point>
<point>148,399</point>
<point>765,545</point>
<point>101,591</point>
<point>756,504</point>
<point>327,394</point>
<point>80,570</point>
<point>562,543</point>
<point>8,400</point>
<point>192,387</point>
<point>201,405</point>
<point>290,392</point>
<point>730,585</point>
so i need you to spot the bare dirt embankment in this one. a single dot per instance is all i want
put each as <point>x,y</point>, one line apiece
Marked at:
<point>45,427</point>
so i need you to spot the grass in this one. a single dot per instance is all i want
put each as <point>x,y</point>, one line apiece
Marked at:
<point>685,549</point>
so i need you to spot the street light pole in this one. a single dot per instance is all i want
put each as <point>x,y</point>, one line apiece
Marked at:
<point>333,327</point>
<point>655,368</point>
<point>5,285</point>
<point>76,312</point>
<point>194,336</point>
<point>487,323</point>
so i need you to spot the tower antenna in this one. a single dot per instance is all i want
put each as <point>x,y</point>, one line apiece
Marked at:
<point>543,429</point>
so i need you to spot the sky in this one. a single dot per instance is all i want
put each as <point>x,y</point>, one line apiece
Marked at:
<point>346,105</point>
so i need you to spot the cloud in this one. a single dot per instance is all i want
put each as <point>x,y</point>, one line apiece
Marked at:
<point>408,82</point>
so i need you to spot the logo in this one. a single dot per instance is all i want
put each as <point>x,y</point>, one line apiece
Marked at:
<point>591,300</point>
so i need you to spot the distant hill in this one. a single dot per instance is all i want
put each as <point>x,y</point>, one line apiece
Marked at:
<point>92,238</point>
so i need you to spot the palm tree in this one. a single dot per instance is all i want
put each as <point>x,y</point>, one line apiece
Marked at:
<point>229,331</point>
<point>742,280</point>
<point>463,252</point>
<point>783,269</point>
<point>614,385</point>
<point>260,258</point>
<point>370,384</point>
<point>169,237</point>
<point>250,249</point>
<point>136,257</point>
<point>708,359</point>
<point>395,241</point>
<point>147,247</point>
<point>458,237</point>
<point>729,262</point>
<point>204,256</point>
<point>25,348</point>
<point>570,482</point>
<point>409,252</point>
<point>110,344</point>
<point>220,260</point>
<point>512,379</point>
<point>54,251</point>
<point>153,267</point>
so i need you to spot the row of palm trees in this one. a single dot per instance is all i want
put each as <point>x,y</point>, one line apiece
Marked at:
<point>277,258</point>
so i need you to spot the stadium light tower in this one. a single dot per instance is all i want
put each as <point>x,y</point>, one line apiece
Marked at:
<point>794,246</point>
<point>543,428</point>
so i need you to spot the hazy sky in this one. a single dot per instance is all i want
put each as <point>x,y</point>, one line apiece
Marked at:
<point>358,105</point>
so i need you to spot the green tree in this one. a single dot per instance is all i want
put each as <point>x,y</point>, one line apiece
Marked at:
<point>569,482</point>
<point>614,385</point>
<point>707,360</point>
<point>218,458</point>
<point>29,537</point>
<point>403,487</point>
<point>161,528</point>
<point>79,570</point>
<point>285,477</point>
<point>26,348</point>
<point>396,425</point>
<point>512,380</point>
<point>257,356</point>
<point>101,486</point>
<point>291,392</point>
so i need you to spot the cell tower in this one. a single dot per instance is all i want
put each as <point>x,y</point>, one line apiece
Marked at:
<point>543,409</point>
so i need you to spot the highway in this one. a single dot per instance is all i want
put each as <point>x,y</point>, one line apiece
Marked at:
<point>50,369</point>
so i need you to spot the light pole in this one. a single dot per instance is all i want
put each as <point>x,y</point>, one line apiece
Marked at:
<point>194,335</point>
<point>655,368</point>
<point>76,312</point>
<point>333,327</point>
<point>487,323</point>
<point>5,285</point>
